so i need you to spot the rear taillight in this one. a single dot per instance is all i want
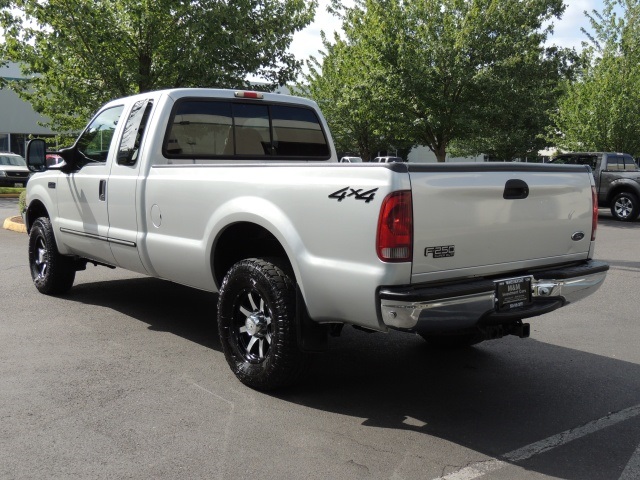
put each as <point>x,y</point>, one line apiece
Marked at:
<point>395,228</point>
<point>594,220</point>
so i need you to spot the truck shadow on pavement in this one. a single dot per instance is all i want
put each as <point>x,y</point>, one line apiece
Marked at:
<point>627,266</point>
<point>494,398</point>
<point>164,306</point>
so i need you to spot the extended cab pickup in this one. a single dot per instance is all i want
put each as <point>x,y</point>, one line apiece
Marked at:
<point>617,180</point>
<point>241,193</point>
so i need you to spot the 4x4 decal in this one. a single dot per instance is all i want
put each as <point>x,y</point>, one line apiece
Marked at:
<point>367,196</point>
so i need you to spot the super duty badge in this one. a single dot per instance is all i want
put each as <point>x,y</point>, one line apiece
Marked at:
<point>441,251</point>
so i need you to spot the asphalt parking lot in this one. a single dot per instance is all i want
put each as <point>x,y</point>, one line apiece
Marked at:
<point>124,378</point>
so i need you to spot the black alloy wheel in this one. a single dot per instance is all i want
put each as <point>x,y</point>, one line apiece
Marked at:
<point>258,326</point>
<point>52,273</point>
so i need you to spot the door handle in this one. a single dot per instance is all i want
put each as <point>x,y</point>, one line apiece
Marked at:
<point>515,190</point>
<point>102,192</point>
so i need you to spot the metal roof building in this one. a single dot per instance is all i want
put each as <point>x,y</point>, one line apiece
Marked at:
<point>18,120</point>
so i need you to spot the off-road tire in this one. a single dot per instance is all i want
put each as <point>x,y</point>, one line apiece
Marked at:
<point>52,273</point>
<point>258,325</point>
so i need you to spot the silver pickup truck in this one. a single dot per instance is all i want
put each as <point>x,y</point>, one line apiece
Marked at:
<point>241,193</point>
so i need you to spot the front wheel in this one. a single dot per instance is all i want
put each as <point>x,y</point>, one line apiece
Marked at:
<point>625,207</point>
<point>51,272</point>
<point>257,325</point>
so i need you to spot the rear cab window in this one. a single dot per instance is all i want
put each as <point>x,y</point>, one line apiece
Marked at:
<point>206,130</point>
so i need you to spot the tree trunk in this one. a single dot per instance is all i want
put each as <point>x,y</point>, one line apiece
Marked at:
<point>441,153</point>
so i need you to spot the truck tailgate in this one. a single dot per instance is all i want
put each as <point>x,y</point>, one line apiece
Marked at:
<point>485,219</point>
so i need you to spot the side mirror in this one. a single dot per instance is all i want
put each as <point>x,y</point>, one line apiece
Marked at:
<point>36,152</point>
<point>38,160</point>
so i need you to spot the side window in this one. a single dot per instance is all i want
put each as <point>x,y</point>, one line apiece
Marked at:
<point>629,163</point>
<point>615,162</point>
<point>95,141</point>
<point>133,132</point>
<point>297,133</point>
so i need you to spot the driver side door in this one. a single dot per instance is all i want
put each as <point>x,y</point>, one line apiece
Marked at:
<point>83,219</point>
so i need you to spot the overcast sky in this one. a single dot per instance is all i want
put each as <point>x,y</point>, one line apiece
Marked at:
<point>567,31</point>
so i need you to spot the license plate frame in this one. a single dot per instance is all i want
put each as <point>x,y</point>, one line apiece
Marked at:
<point>513,293</point>
<point>18,185</point>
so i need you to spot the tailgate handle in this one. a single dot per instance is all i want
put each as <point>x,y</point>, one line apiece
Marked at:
<point>515,189</point>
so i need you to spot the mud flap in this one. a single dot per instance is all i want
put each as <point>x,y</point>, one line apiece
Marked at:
<point>312,336</point>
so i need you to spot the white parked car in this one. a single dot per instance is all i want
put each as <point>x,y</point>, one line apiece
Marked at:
<point>351,160</point>
<point>13,170</point>
<point>387,159</point>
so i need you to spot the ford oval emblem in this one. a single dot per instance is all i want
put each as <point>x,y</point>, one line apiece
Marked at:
<point>576,237</point>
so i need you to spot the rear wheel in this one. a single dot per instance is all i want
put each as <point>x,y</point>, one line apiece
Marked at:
<point>51,272</point>
<point>625,207</point>
<point>257,325</point>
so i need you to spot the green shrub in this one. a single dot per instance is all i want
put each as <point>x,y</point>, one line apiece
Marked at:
<point>10,190</point>
<point>22,202</point>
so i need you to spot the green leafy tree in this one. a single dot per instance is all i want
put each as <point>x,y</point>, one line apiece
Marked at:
<point>448,72</point>
<point>81,53</point>
<point>515,125</point>
<point>601,111</point>
<point>351,96</point>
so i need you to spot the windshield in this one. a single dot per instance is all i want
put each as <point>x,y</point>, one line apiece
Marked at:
<point>12,160</point>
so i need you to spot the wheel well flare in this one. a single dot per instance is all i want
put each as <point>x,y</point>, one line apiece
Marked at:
<point>243,240</point>
<point>36,209</point>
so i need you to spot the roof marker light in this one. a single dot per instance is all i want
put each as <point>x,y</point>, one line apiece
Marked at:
<point>257,95</point>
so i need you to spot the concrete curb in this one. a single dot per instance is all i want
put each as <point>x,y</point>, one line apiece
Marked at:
<point>9,195</point>
<point>14,224</point>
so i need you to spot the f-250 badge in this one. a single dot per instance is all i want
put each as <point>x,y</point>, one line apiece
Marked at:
<point>441,251</point>
<point>358,194</point>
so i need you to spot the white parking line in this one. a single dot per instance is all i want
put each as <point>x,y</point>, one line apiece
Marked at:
<point>632,470</point>
<point>478,469</point>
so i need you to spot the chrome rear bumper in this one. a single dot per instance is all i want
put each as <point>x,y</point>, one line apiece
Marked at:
<point>463,305</point>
